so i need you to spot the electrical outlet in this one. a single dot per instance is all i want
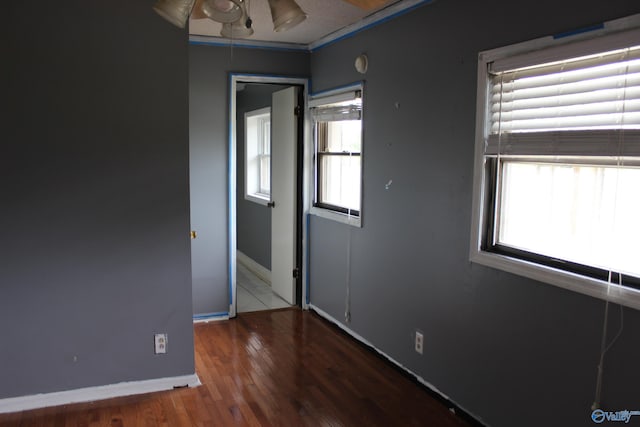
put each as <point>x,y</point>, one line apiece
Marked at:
<point>160,343</point>
<point>419,343</point>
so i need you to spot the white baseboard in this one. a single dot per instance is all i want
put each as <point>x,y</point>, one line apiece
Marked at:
<point>210,318</point>
<point>257,269</point>
<point>88,394</point>
<point>418,378</point>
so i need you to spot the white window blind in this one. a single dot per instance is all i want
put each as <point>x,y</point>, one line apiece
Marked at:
<point>347,106</point>
<point>580,106</point>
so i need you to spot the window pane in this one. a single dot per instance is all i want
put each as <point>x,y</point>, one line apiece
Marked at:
<point>265,175</point>
<point>338,141</point>
<point>340,185</point>
<point>580,213</point>
<point>266,136</point>
<point>257,154</point>
<point>344,136</point>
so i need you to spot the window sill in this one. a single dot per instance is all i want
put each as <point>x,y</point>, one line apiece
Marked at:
<point>354,221</point>
<point>627,297</point>
<point>257,199</point>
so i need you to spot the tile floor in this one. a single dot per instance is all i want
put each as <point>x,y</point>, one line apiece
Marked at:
<point>254,294</point>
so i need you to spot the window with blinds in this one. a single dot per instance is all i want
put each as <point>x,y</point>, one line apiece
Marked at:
<point>337,120</point>
<point>559,161</point>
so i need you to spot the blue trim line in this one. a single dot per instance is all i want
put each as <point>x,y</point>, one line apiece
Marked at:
<point>371,25</point>
<point>308,296</point>
<point>578,31</point>
<point>232,219</point>
<point>210,315</point>
<point>230,189</point>
<point>303,48</point>
<point>269,76</point>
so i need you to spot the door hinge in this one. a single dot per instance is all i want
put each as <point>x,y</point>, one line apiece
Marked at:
<point>297,110</point>
<point>296,273</point>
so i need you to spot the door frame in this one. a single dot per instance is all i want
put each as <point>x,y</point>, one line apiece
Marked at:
<point>307,156</point>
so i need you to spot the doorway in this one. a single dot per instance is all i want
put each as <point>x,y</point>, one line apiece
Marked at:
<point>266,227</point>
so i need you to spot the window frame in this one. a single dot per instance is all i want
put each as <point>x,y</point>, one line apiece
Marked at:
<point>325,210</point>
<point>578,278</point>
<point>249,173</point>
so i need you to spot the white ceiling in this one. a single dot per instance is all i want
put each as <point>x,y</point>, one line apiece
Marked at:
<point>324,17</point>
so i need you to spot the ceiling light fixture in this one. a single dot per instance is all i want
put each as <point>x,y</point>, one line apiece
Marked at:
<point>241,27</point>
<point>223,11</point>
<point>286,14</point>
<point>175,11</point>
<point>232,14</point>
<point>197,12</point>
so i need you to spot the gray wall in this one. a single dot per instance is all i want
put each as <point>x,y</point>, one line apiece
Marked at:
<point>209,69</point>
<point>510,350</point>
<point>94,244</point>
<point>253,219</point>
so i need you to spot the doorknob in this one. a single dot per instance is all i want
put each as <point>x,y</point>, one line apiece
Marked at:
<point>271,204</point>
<point>193,234</point>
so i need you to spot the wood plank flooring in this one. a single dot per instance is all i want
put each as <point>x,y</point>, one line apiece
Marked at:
<point>271,368</point>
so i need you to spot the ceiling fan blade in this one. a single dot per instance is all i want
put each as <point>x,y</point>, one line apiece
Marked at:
<point>368,4</point>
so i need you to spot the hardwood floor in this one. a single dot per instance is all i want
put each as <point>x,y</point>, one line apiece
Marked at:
<point>271,368</point>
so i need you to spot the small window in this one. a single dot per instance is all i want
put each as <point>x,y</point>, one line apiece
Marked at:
<point>337,122</point>
<point>258,155</point>
<point>558,163</point>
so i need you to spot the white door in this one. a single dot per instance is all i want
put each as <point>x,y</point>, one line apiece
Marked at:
<point>284,137</point>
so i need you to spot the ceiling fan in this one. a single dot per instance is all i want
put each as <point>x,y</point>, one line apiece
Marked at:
<point>234,14</point>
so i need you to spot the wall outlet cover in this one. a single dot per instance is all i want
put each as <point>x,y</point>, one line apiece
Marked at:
<point>160,343</point>
<point>419,342</point>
